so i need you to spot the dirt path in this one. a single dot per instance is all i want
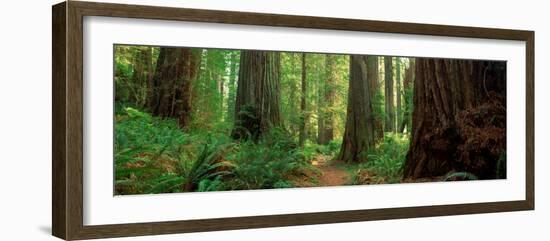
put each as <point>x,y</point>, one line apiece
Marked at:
<point>331,175</point>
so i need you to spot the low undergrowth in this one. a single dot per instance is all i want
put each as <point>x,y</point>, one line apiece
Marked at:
<point>385,162</point>
<point>153,155</point>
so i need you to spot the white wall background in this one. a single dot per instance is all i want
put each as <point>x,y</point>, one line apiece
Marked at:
<point>25,122</point>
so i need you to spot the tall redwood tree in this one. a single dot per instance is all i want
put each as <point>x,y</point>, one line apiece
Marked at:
<point>407,85</point>
<point>388,94</point>
<point>359,131</point>
<point>303,103</point>
<point>258,94</point>
<point>373,78</point>
<point>170,87</point>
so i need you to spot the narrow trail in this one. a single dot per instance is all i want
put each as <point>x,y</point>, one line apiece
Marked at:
<point>331,175</point>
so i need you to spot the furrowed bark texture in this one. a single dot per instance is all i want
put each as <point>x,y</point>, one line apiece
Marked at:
<point>388,93</point>
<point>459,119</point>
<point>398,90</point>
<point>373,78</point>
<point>407,82</point>
<point>171,85</point>
<point>303,102</point>
<point>258,94</point>
<point>359,132</point>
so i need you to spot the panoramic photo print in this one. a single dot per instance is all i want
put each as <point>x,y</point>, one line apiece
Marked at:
<point>199,119</point>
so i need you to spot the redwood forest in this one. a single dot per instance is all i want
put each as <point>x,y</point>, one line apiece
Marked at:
<point>197,120</point>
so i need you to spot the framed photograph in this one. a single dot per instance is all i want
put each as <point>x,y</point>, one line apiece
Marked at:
<point>170,120</point>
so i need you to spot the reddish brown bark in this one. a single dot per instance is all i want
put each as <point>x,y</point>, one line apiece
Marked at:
<point>398,116</point>
<point>171,86</point>
<point>303,102</point>
<point>407,83</point>
<point>388,94</point>
<point>373,78</point>
<point>459,119</point>
<point>258,94</point>
<point>359,132</point>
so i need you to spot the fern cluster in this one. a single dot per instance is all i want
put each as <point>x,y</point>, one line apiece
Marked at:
<point>153,155</point>
<point>270,163</point>
<point>385,162</point>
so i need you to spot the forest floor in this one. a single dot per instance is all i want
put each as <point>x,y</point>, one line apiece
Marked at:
<point>153,155</point>
<point>331,173</point>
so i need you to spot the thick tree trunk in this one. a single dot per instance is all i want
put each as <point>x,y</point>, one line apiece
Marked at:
<point>407,82</point>
<point>303,111</point>
<point>388,93</point>
<point>258,94</point>
<point>398,90</point>
<point>373,78</point>
<point>175,71</point>
<point>359,131</point>
<point>326,115</point>
<point>459,119</point>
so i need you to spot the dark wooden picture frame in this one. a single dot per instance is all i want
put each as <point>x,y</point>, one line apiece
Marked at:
<point>67,150</point>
